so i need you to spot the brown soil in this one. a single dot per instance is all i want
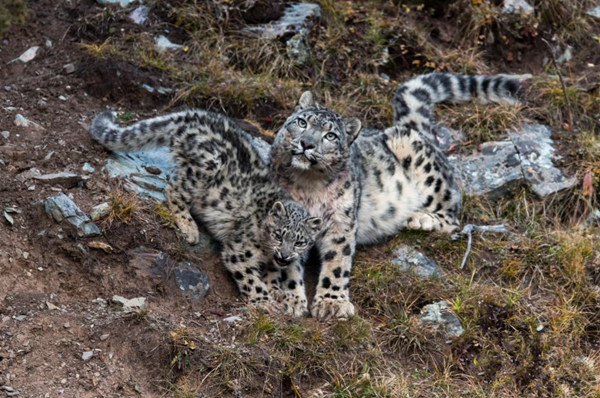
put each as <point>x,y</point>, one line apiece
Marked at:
<point>39,355</point>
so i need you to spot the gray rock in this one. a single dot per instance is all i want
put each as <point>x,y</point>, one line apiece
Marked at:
<point>191,281</point>
<point>100,211</point>
<point>22,121</point>
<point>132,167</point>
<point>65,179</point>
<point>232,319</point>
<point>440,316</point>
<point>410,260</point>
<point>69,68</point>
<point>130,305</point>
<point>87,355</point>
<point>5,134</point>
<point>122,3</point>
<point>139,15</point>
<point>517,7</point>
<point>61,208</point>
<point>161,43</point>
<point>158,268</point>
<point>594,11</point>
<point>28,55</point>
<point>297,47</point>
<point>525,156</point>
<point>88,167</point>
<point>48,44</point>
<point>296,17</point>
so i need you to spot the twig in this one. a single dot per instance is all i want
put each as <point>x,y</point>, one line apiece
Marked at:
<point>562,83</point>
<point>468,231</point>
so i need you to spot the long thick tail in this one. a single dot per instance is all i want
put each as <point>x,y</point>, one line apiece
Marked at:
<point>146,134</point>
<point>415,99</point>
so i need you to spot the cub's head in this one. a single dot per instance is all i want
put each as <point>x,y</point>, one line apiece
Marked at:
<point>290,232</point>
<point>315,138</point>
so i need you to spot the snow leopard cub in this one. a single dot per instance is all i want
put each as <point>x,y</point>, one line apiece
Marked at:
<point>220,177</point>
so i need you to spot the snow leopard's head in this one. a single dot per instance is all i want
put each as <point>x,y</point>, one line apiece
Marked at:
<point>315,138</point>
<point>290,232</point>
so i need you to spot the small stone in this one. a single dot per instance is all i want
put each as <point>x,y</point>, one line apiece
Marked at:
<point>594,12</point>
<point>139,15</point>
<point>517,7</point>
<point>122,3</point>
<point>28,55</point>
<point>66,179</point>
<point>104,337</point>
<point>161,43</point>
<point>5,134</point>
<point>87,355</point>
<point>22,121</point>
<point>48,44</point>
<point>101,246</point>
<point>66,325</point>
<point>8,218</point>
<point>63,381</point>
<point>51,306</point>
<point>100,211</point>
<point>539,328</point>
<point>88,167</point>
<point>130,304</point>
<point>69,68</point>
<point>412,261</point>
<point>441,317</point>
<point>232,319</point>
<point>20,318</point>
<point>62,98</point>
<point>7,88</point>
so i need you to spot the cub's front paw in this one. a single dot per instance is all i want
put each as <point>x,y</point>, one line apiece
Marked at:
<point>266,303</point>
<point>294,304</point>
<point>325,308</point>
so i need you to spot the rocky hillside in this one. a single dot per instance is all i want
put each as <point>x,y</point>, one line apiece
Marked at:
<point>100,296</point>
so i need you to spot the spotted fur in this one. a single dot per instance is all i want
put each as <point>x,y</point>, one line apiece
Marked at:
<point>221,179</point>
<point>367,187</point>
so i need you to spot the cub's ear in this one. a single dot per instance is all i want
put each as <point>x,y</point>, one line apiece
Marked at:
<point>353,126</point>
<point>314,224</point>
<point>306,101</point>
<point>278,210</point>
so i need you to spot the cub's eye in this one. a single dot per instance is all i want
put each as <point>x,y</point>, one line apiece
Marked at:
<point>276,236</point>
<point>330,137</point>
<point>302,123</point>
<point>300,243</point>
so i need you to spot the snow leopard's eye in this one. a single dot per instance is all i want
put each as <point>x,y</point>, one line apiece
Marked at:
<point>331,137</point>
<point>276,236</point>
<point>300,244</point>
<point>302,123</point>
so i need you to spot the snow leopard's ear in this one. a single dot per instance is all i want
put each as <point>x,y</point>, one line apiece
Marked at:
<point>278,210</point>
<point>306,101</point>
<point>314,224</point>
<point>352,126</point>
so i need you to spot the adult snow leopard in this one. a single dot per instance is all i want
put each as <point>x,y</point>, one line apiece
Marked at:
<point>367,187</point>
<point>220,177</point>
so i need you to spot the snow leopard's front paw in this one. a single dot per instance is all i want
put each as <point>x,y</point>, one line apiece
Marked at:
<point>190,230</point>
<point>424,222</point>
<point>325,308</point>
<point>295,304</point>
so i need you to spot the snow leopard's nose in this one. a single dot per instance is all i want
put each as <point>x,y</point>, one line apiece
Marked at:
<point>306,145</point>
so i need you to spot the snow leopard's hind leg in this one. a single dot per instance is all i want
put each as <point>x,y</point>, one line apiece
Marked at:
<point>429,172</point>
<point>179,202</point>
